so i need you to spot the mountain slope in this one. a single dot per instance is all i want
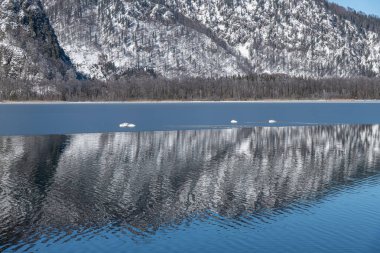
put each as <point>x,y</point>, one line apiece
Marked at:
<point>175,38</point>
<point>108,37</point>
<point>289,36</point>
<point>29,48</point>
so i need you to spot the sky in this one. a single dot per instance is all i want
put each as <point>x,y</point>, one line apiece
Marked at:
<point>367,6</point>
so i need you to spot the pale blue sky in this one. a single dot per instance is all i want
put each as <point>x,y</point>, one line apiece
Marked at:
<point>367,6</point>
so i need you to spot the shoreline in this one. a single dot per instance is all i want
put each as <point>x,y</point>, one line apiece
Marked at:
<point>327,101</point>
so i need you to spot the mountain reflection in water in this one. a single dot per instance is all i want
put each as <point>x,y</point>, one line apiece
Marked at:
<point>148,180</point>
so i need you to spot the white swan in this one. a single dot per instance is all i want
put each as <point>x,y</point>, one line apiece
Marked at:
<point>125,125</point>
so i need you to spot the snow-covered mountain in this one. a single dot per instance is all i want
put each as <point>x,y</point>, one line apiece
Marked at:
<point>106,39</point>
<point>29,48</point>
<point>216,37</point>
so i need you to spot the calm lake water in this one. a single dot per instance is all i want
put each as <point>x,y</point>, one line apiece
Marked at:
<point>43,119</point>
<point>310,183</point>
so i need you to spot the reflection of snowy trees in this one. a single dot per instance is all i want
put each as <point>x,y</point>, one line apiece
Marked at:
<point>155,178</point>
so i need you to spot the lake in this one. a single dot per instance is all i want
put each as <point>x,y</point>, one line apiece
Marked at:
<point>58,118</point>
<point>187,180</point>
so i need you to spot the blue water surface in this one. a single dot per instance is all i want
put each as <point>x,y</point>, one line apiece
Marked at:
<point>38,119</point>
<point>345,221</point>
<point>187,180</point>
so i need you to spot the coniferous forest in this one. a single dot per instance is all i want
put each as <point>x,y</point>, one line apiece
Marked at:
<point>137,88</point>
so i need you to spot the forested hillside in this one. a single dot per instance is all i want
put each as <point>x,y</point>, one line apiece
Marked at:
<point>216,38</point>
<point>188,50</point>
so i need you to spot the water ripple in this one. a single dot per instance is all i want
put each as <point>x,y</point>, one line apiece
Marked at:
<point>131,188</point>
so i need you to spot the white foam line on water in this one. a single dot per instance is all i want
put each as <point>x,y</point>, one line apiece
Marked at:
<point>304,123</point>
<point>250,124</point>
<point>282,122</point>
<point>202,126</point>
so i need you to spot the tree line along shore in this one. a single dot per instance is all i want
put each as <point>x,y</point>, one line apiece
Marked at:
<point>242,88</point>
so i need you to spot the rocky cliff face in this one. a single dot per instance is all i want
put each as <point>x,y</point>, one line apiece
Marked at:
<point>29,48</point>
<point>175,38</point>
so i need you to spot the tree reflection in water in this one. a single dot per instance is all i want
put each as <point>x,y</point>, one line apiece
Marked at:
<point>143,181</point>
